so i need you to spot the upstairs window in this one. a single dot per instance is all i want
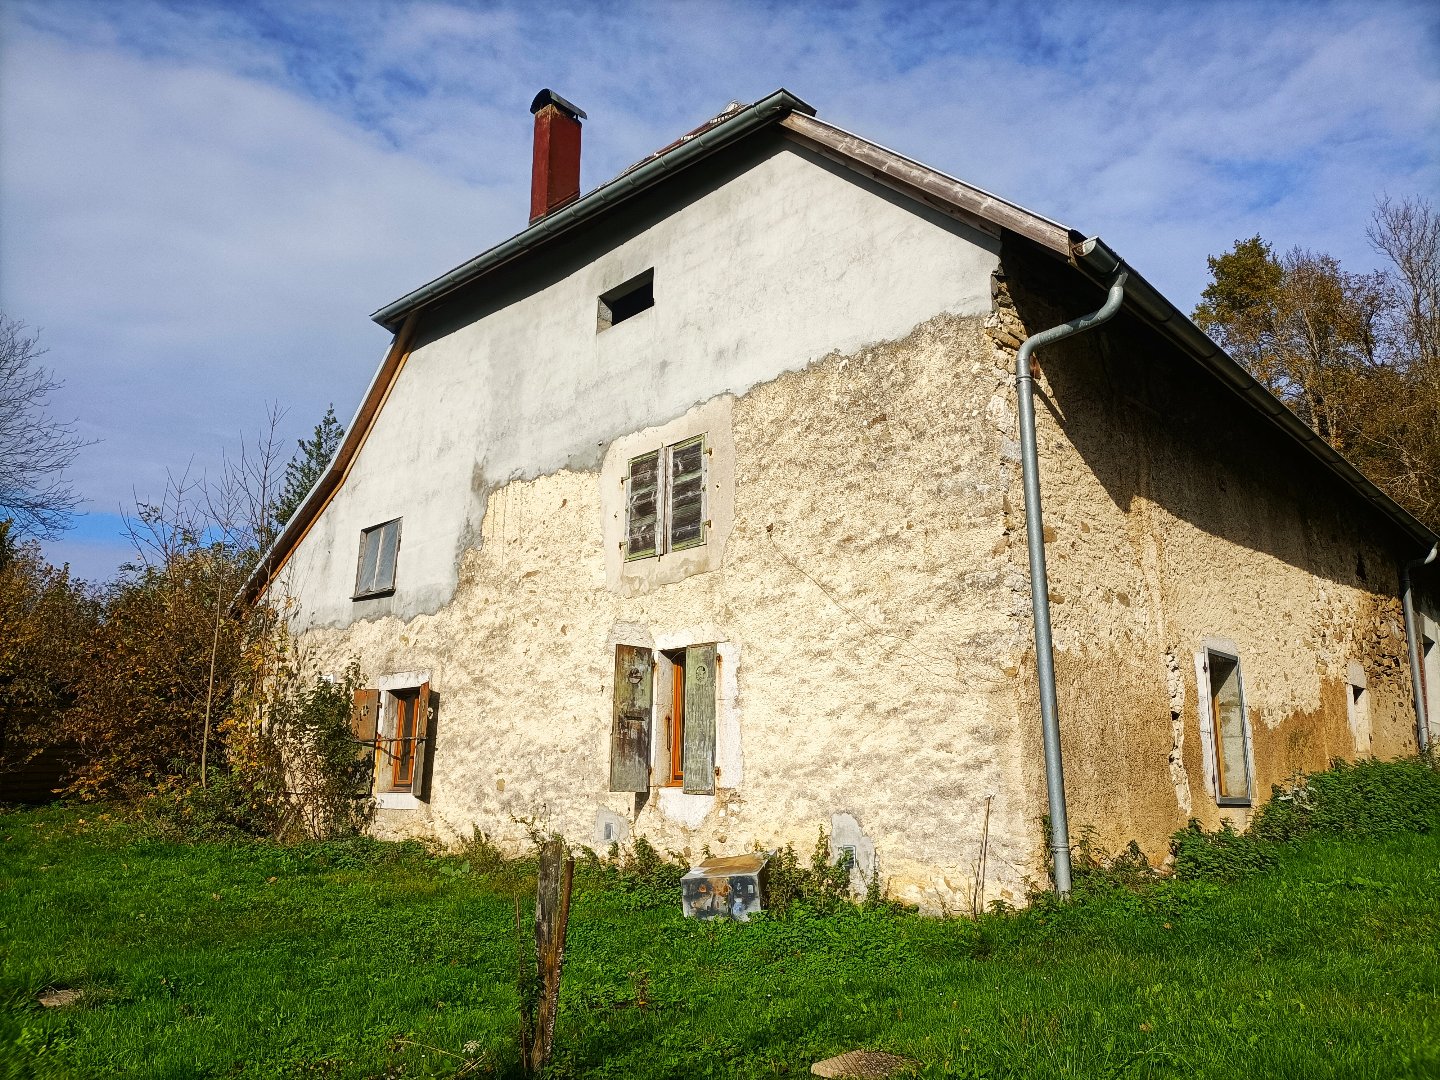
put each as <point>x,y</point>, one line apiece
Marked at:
<point>626,301</point>
<point>665,508</point>
<point>379,546</point>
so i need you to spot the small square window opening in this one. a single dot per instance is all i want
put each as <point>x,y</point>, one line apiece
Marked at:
<point>379,547</point>
<point>626,301</point>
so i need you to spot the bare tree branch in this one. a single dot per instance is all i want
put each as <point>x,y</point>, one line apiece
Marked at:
<point>35,449</point>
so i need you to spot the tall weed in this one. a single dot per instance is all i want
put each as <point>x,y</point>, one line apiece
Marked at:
<point>1367,798</point>
<point>1224,855</point>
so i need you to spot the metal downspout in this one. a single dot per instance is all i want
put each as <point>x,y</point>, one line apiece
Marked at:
<point>1039,583</point>
<point>1412,638</point>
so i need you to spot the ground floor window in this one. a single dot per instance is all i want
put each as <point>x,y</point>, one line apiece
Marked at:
<point>394,730</point>
<point>663,723</point>
<point>1225,727</point>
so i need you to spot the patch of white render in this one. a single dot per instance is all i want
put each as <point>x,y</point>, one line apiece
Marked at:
<point>785,263</point>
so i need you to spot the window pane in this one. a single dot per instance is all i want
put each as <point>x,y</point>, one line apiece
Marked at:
<point>642,505</point>
<point>369,556</point>
<point>687,494</point>
<point>385,567</point>
<point>1229,728</point>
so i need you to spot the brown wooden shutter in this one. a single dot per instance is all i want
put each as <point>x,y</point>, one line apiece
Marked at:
<point>365,721</point>
<point>687,494</point>
<point>700,719</point>
<point>630,732</point>
<point>424,742</point>
<point>642,506</point>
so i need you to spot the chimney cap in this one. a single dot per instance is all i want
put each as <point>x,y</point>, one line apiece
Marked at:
<point>549,97</point>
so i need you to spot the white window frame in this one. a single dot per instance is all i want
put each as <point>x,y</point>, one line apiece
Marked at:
<point>1209,738</point>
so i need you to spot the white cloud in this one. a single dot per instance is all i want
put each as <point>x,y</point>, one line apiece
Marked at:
<point>193,243</point>
<point>203,203</point>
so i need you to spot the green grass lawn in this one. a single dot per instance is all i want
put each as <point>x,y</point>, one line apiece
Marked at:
<point>368,960</point>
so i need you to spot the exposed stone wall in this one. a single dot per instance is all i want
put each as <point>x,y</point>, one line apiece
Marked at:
<point>1174,515</point>
<point>874,608</point>
<point>867,590</point>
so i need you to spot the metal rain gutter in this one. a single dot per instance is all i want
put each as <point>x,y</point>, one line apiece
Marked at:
<point>602,198</point>
<point>1039,582</point>
<point>1412,639</point>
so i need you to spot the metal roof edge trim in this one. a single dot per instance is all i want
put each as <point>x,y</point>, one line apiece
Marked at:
<point>1098,262</point>
<point>272,560</point>
<point>1053,234</point>
<point>745,121</point>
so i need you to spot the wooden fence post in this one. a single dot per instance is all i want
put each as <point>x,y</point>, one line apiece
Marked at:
<point>552,919</point>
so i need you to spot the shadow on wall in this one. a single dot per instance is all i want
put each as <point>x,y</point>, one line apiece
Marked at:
<point>1151,423</point>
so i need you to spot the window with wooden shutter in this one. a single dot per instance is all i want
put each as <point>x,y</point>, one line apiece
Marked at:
<point>699,726</point>
<point>404,741</point>
<point>642,506</point>
<point>686,504</point>
<point>666,508</point>
<point>630,728</point>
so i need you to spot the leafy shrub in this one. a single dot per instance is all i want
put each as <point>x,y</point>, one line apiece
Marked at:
<point>482,853</point>
<point>354,853</point>
<point>291,745</point>
<point>1225,855</point>
<point>822,886</point>
<point>225,809</point>
<point>1367,798</point>
<point>1095,869</point>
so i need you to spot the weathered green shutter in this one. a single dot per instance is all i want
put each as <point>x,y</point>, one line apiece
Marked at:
<point>687,494</point>
<point>642,506</point>
<point>699,759</point>
<point>630,732</point>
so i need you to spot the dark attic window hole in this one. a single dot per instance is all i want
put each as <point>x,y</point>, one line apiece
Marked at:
<point>627,300</point>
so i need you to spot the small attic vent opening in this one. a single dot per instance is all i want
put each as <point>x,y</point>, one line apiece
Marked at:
<point>627,300</point>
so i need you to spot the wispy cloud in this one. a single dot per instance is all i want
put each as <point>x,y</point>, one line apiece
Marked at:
<point>202,202</point>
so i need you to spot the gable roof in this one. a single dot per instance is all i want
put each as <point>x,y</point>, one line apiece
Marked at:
<point>1091,256</point>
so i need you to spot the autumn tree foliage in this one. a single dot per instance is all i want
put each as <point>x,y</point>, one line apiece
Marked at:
<point>159,684</point>
<point>138,715</point>
<point>1355,355</point>
<point>46,619</point>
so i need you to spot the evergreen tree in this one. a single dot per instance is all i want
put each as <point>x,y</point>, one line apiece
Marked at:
<point>308,465</point>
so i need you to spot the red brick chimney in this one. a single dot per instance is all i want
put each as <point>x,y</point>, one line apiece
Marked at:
<point>555,175</point>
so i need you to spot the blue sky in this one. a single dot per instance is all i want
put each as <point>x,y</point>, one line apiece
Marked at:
<point>202,202</point>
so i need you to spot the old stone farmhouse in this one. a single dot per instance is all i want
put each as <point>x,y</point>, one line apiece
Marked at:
<point>695,511</point>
